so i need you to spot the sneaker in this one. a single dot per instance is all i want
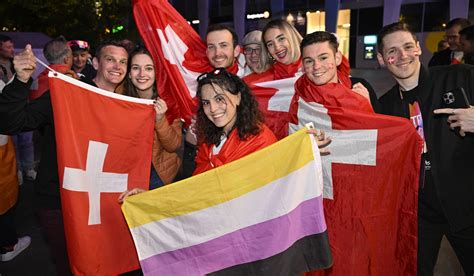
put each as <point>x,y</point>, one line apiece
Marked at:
<point>20,177</point>
<point>21,245</point>
<point>30,174</point>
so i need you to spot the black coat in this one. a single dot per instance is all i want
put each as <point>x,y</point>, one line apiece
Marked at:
<point>441,58</point>
<point>452,156</point>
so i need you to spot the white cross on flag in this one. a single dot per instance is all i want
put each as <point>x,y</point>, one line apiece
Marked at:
<point>104,143</point>
<point>370,184</point>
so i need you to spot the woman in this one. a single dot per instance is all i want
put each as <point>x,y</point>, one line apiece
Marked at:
<point>140,83</point>
<point>229,124</point>
<point>282,42</point>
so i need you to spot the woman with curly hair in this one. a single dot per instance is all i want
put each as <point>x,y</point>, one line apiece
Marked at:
<point>229,123</point>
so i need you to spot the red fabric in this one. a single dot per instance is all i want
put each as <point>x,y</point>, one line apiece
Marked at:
<point>43,80</point>
<point>234,148</point>
<point>330,94</point>
<point>283,71</point>
<point>80,117</point>
<point>372,218</point>
<point>152,16</point>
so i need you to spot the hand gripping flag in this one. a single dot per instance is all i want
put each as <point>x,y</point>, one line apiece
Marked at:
<point>104,143</point>
<point>370,186</point>
<point>259,215</point>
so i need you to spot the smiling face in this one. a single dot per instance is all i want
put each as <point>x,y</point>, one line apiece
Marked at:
<point>253,54</point>
<point>111,67</point>
<point>142,72</point>
<point>278,45</point>
<point>401,54</point>
<point>320,63</point>
<point>220,106</point>
<point>79,60</point>
<point>220,49</point>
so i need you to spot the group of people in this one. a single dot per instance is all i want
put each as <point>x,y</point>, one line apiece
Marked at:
<point>229,124</point>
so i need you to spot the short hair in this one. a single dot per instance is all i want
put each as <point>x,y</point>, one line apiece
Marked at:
<point>106,43</point>
<point>319,37</point>
<point>462,22</point>
<point>249,116</point>
<point>222,27</point>
<point>390,29</point>
<point>468,32</point>
<point>56,50</point>
<point>290,33</point>
<point>4,38</point>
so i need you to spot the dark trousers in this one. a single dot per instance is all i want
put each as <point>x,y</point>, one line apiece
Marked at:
<point>8,235</point>
<point>432,226</point>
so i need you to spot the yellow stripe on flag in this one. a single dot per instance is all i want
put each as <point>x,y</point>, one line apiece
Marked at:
<point>217,186</point>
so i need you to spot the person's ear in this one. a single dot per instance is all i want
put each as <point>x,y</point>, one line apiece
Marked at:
<point>237,51</point>
<point>338,58</point>
<point>419,48</point>
<point>95,63</point>
<point>239,95</point>
<point>380,59</point>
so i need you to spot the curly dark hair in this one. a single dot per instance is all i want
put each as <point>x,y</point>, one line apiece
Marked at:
<point>130,89</point>
<point>249,116</point>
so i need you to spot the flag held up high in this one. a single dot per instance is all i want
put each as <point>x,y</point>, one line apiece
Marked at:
<point>261,214</point>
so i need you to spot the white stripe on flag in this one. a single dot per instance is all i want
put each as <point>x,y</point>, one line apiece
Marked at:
<point>283,195</point>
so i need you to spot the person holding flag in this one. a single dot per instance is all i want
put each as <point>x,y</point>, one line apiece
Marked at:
<point>141,83</point>
<point>19,115</point>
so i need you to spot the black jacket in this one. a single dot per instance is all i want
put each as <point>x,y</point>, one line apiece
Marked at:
<point>441,58</point>
<point>17,115</point>
<point>452,156</point>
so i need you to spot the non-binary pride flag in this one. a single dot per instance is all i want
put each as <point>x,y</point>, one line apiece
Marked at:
<point>104,143</point>
<point>259,215</point>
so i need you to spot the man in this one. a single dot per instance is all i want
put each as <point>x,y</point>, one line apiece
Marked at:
<point>454,54</point>
<point>321,58</point>
<point>223,48</point>
<point>6,57</point>
<point>256,60</point>
<point>467,44</point>
<point>18,115</point>
<point>82,67</point>
<point>59,55</point>
<point>445,205</point>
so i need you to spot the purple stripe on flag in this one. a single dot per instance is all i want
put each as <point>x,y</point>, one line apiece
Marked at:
<point>245,245</point>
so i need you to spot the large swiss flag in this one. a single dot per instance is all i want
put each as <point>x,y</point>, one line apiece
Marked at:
<point>104,143</point>
<point>370,183</point>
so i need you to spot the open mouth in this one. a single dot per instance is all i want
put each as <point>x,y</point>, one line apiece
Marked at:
<point>281,54</point>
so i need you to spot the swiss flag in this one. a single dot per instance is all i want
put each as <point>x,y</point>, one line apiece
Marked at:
<point>104,143</point>
<point>178,51</point>
<point>370,184</point>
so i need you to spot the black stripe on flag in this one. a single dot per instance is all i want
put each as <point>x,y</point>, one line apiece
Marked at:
<point>307,254</point>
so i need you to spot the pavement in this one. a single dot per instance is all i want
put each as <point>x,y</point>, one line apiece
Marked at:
<point>36,259</point>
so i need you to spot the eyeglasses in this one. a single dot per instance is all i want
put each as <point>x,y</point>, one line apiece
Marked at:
<point>213,73</point>
<point>248,51</point>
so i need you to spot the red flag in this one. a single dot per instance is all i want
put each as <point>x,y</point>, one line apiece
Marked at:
<point>178,51</point>
<point>104,143</point>
<point>370,186</point>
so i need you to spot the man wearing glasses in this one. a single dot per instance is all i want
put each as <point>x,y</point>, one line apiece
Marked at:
<point>256,60</point>
<point>454,54</point>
